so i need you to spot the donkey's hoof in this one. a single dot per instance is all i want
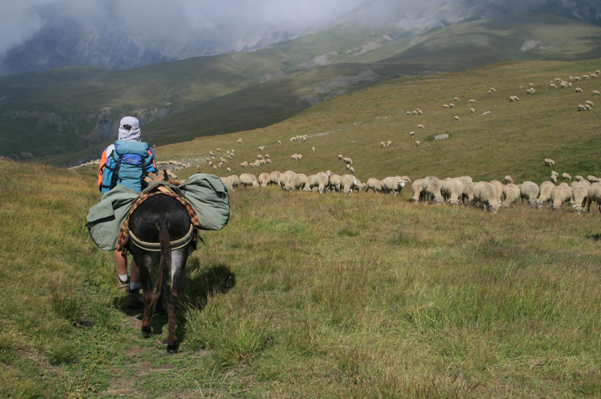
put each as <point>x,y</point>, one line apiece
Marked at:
<point>172,348</point>
<point>146,332</point>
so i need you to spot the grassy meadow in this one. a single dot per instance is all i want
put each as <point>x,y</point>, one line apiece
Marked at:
<point>333,296</point>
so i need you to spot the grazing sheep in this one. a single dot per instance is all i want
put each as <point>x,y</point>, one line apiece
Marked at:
<point>514,99</point>
<point>347,160</point>
<point>374,185</point>
<point>578,90</point>
<point>508,179</point>
<point>594,194</point>
<point>335,182</point>
<point>566,176</point>
<point>417,143</point>
<point>420,126</point>
<point>418,192</point>
<point>453,190</point>
<point>299,182</point>
<point>511,192</point>
<point>456,118</point>
<point>589,102</point>
<point>351,169</point>
<point>592,179</point>
<point>229,170</point>
<point>582,107</point>
<point>432,186</point>
<point>382,144</point>
<point>274,177</point>
<point>552,86</point>
<point>529,191</point>
<point>472,110</point>
<point>486,195</point>
<point>349,182</point>
<point>472,101</point>
<point>546,188</point>
<point>248,179</point>
<point>561,194</point>
<point>393,185</point>
<point>388,143</point>
<point>445,106</point>
<point>500,187</point>
<point>411,134</point>
<point>319,181</point>
<point>579,194</point>
<point>596,93</point>
<point>468,189</point>
<point>264,179</point>
<point>549,162</point>
<point>492,90</point>
<point>239,141</point>
<point>441,137</point>
<point>451,105</point>
<point>286,180</point>
<point>530,91</point>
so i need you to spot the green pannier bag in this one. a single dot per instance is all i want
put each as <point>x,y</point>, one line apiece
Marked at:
<point>210,199</point>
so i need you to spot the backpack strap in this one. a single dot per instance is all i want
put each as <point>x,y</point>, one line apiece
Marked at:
<point>115,171</point>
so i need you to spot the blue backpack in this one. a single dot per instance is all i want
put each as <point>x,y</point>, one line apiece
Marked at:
<point>128,164</point>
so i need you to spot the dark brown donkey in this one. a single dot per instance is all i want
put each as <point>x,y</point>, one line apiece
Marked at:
<point>161,233</point>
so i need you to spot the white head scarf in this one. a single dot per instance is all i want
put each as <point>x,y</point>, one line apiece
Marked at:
<point>132,134</point>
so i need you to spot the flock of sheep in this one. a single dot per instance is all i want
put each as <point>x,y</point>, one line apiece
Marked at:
<point>491,195</point>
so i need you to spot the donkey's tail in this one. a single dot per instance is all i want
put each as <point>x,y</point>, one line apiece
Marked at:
<point>165,259</point>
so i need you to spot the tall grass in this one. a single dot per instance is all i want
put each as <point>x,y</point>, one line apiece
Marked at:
<point>305,295</point>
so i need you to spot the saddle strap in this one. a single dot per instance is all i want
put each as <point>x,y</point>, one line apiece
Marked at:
<point>156,246</point>
<point>125,232</point>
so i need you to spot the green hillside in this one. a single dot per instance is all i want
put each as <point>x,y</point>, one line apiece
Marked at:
<point>499,138</point>
<point>53,113</point>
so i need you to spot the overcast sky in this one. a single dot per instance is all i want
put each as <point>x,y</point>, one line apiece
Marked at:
<point>19,20</point>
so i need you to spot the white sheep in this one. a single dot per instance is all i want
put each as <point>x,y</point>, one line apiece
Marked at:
<point>420,126</point>
<point>239,141</point>
<point>417,188</point>
<point>561,194</point>
<point>274,177</point>
<point>374,185</point>
<point>549,162</point>
<point>596,93</point>
<point>472,101</point>
<point>529,192</point>
<point>594,194</point>
<point>299,182</point>
<point>508,179</point>
<point>349,182</point>
<point>388,143</point>
<point>578,90</point>
<point>544,196</point>
<point>579,193</point>
<point>500,187</point>
<point>453,190</point>
<point>382,144</point>
<point>264,179</point>
<point>248,179</point>
<point>393,185</point>
<point>417,143</point>
<point>486,195</point>
<point>431,186</point>
<point>492,90</point>
<point>511,192</point>
<point>566,176</point>
<point>456,118</point>
<point>514,99</point>
<point>335,182</point>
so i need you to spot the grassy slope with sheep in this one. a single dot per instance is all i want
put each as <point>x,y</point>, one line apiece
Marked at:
<point>305,295</point>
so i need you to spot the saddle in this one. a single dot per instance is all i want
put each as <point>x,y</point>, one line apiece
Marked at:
<point>168,188</point>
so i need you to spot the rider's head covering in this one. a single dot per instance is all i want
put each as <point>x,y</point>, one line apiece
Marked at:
<point>129,129</point>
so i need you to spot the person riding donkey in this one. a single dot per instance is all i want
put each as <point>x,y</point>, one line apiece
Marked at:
<point>127,162</point>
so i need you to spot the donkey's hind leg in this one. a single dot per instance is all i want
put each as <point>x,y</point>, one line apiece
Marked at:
<point>144,262</point>
<point>178,263</point>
